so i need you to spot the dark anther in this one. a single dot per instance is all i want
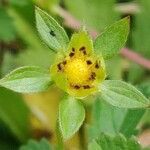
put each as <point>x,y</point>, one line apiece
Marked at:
<point>88,62</point>
<point>71,54</point>
<point>86,87</point>
<point>84,52</point>
<point>77,87</point>
<point>64,62</point>
<point>73,49</point>
<point>93,76</point>
<point>52,33</point>
<point>82,48</point>
<point>59,66</point>
<point>96,65</point>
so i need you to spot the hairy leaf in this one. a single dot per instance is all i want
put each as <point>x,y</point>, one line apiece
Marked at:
<point>121,94</point>
<point>50,31</point>
<point>71,116</point>
<point>27,79</point>
<point>109,43</point>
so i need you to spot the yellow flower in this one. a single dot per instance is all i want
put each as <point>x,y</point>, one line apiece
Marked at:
<point>78,71</point>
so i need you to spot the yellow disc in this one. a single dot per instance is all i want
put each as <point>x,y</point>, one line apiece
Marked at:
<point>77,71</point>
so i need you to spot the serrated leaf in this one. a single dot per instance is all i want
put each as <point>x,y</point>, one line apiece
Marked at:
<point>109,43</point>
<point>121,94</point>
<point>50,31</point>
<point>34,145</point>
<point>27,79</point>
<point>71,116</point>
<point>119,142</point>
<point>14,112</point>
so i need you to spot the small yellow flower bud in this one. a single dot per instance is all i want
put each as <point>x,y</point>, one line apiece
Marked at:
<point>79,71</point>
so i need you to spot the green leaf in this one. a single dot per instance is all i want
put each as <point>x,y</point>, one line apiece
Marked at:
<point>112,120</point>
<point>71,116</point>
<point>7,30</point>
<point>112,39</point>
<point>27,79</point>
<point>33,42</point>
<point>130,122</point>
<point>94,146</point>
<point>50,31</point>
<point>119,142</point>
<point>103,119</point>
<point>121,94</point>
<point>34,145</point>
<point>14,113</point>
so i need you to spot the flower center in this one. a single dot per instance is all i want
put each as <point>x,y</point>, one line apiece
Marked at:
<point>77,71</point>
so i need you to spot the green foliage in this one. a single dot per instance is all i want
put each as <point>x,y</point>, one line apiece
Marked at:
<point>8,140</point>
<point>112,120</point>
<point>27,79</point>
<point>7,30</point>
<point>34,145</point>
<point>121,94</point>
<point>130,121</point>
<point>71,116</point>
<point>94,145</point>
<point>141,32</point>
<point>112,39</point>
<point>34,44</point>
<point>135,74</point>
<point>119,142</point>
<point>50,31</point>
<point>93,13</point>
<point>144,87</point>
<point>13,112</point>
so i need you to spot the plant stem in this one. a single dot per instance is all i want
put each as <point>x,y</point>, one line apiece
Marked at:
<point>82,137</point>
<point>60,143</point>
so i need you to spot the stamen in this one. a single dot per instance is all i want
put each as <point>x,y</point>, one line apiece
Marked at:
<point>82,48</point>
<point>71,54</point>
<point>86,87</point>
<point>77,87</point>
<point>64,62</point>
<point>59,66</point>
<point>96,65</point>
<point>89,62</point>
<point>73,49</point>
<point>84,52</point>
<point>93,76</point>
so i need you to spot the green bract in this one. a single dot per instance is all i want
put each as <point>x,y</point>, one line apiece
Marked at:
<point>79,70</point>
